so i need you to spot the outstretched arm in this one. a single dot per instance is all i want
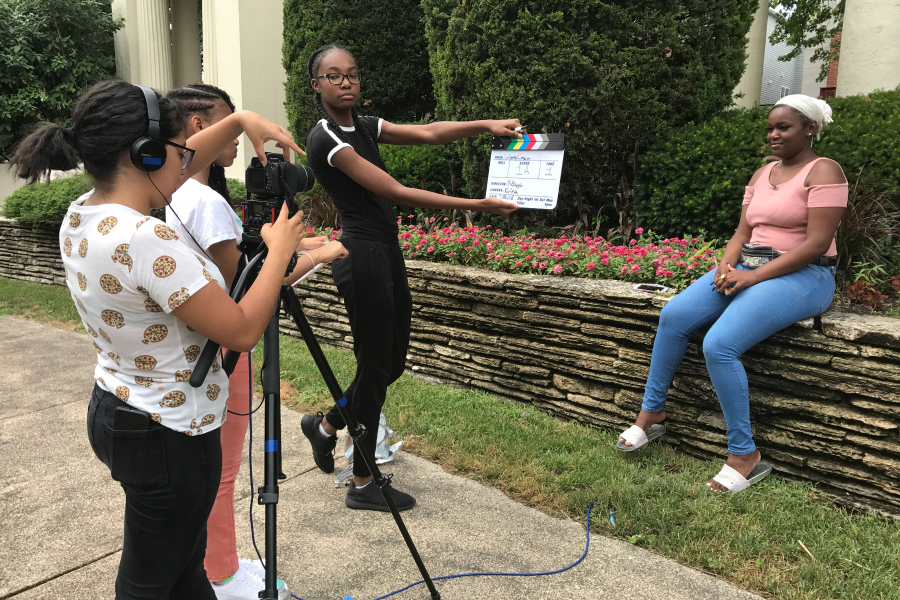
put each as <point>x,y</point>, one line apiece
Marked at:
<point>444,132</point>
<point>377,181</point>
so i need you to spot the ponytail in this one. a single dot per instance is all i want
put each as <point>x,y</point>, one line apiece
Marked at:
<point>107,120</point>
<point>49,147</point>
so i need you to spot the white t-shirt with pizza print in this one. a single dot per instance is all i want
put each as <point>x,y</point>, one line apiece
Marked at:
<point>127,272</point>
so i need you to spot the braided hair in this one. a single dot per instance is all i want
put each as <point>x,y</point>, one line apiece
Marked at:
<point>315,59</point>
<point>200,99</point>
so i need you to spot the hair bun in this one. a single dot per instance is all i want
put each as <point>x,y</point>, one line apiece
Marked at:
<point>69,135</point>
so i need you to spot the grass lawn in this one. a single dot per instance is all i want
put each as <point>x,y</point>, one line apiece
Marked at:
<point>752,539</point>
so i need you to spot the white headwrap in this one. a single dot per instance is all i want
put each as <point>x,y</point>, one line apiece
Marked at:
<point>815,109</point>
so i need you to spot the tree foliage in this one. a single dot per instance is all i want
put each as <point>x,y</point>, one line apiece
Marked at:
<point>809,24</point>
<point>387,39</point>
<point>51,51</point>
<point>610,74</point>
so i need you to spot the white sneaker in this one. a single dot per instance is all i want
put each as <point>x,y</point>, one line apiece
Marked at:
<point>246,585</point>
<point>256,568</point>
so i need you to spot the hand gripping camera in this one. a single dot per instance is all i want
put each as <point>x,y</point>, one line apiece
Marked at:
<point>269,187</point>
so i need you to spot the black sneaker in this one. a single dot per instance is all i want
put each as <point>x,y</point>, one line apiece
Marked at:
<point>369,497</point>
<point>322,446</point>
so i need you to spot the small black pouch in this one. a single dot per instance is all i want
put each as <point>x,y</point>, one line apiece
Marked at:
<point>756,255</point>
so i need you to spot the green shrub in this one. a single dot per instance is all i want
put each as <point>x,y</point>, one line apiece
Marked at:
<point>236,190</point>
<point>610,74</point>
<point>45,204</point>
<point>426,167</point>
<point>385,36</point>
<point>51,50</point>
<point>694,180</point>
<point>865,139</point>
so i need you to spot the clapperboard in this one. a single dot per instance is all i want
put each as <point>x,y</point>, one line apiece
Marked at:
<point>527,171</point>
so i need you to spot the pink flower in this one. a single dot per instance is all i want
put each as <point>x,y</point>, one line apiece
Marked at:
<point>590,266</point>
<point>639,230</point>
<point>542,266</point>
<point>635,269</point>
<point>603,261</point>
<point>630,259</point>
<point>498,257</point>
<point>681,263</point>
<point>405,245</point>
<point>430,249</point>
<point>557,269</point>
<point>451,254</point>
<point>632,242</point>
<point>534,265</point>
<point>468,248</point>
<point>518,263</point>
<point>476,243</point>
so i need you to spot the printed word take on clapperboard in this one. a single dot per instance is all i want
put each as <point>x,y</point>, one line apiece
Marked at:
<point>527,171</point>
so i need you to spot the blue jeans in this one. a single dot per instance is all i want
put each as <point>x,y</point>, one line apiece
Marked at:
<point>738,322</point>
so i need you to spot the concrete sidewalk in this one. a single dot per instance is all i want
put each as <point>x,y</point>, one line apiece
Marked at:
<point>61,531</point>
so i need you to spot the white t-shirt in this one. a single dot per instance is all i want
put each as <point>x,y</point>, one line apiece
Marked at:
<point>205,213</point>
<point>127,272</point>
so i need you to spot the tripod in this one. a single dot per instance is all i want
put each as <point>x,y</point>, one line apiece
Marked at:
<point>271,376</point>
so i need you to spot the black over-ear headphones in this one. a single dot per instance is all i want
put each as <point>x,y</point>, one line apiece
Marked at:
<point>147,152</point>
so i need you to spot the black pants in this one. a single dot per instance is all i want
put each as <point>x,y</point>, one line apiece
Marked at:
<point>372,282</point>
<point>170,481</point>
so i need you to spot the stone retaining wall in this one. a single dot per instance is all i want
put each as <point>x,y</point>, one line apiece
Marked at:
<point>825,396</point>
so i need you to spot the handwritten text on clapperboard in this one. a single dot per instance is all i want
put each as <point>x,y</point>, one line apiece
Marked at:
<point>528,178</point>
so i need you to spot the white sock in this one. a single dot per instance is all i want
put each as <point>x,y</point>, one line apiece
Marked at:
<point>322,431</point>
<point>359,487</point>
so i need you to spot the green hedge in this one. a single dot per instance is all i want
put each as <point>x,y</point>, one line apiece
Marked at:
<point>609,74</point>
<point>51,50</point>
<point>694,179</point>
<point>385,36</point>
<point>45,204</point>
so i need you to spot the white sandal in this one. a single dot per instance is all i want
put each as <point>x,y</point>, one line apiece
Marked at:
<point>637,437</point>
<point>735,482</point>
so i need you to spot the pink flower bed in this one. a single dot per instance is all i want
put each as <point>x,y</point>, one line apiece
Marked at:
<point>672,262</point>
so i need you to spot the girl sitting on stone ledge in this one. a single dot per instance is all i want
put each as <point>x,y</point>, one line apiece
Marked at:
<point>777,269</point>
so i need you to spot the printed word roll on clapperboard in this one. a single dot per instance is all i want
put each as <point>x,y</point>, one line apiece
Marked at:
<point>527,171</point>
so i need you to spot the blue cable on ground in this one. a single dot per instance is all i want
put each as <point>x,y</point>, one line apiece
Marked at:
<point>587,528</point>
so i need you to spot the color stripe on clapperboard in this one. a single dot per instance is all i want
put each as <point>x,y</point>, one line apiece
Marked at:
<point>531,141</point>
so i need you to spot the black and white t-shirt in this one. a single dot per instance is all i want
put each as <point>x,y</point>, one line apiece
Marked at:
<point>364,215</point>
<point>127,272</point>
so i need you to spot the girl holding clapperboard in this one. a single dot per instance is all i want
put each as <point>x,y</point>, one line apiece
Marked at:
<point>202,216</point>
<point>343,153</point>
<point>150,302</point>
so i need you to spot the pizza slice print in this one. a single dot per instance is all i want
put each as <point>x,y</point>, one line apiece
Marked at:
<point>110,284</point>
<point>144,381</point>
<point>113,318</point>
<point>106,225</point>
<point>67,247</point>
<point>145,362</point>
<point>155,333</point>
<point>74,219</point>
<point>122,393</point>
<point>173,399</point>
<point>82,248</point>
<point>212,391</point>
<point>178,298</point>
<point>164,232</point>
<point>192,353</point>
<point>163,266</point>
<point>120,255</point>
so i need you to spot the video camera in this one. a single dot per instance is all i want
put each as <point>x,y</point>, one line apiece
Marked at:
<point>268,187</point>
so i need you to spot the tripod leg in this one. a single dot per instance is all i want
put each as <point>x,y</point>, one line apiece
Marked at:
<point>268,492</point>
<point>293,307</point>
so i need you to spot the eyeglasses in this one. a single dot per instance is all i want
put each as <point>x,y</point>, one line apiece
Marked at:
<point>186,156</point>
<point>338,78</point>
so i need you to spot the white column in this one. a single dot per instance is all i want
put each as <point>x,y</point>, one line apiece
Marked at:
<point>126,41</point>
<point>248,41</point>
<point>750,84</point>
<point>870,47</point>
<point>185,43</point>
<point>210,49</point>
<point>154,45</point>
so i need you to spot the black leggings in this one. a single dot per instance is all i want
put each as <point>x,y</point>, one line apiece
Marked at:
<point>170,481</point>
<point>372,282</point>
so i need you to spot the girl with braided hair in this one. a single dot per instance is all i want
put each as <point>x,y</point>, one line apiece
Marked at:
<point>343,152</point>
<point>202,216</point>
